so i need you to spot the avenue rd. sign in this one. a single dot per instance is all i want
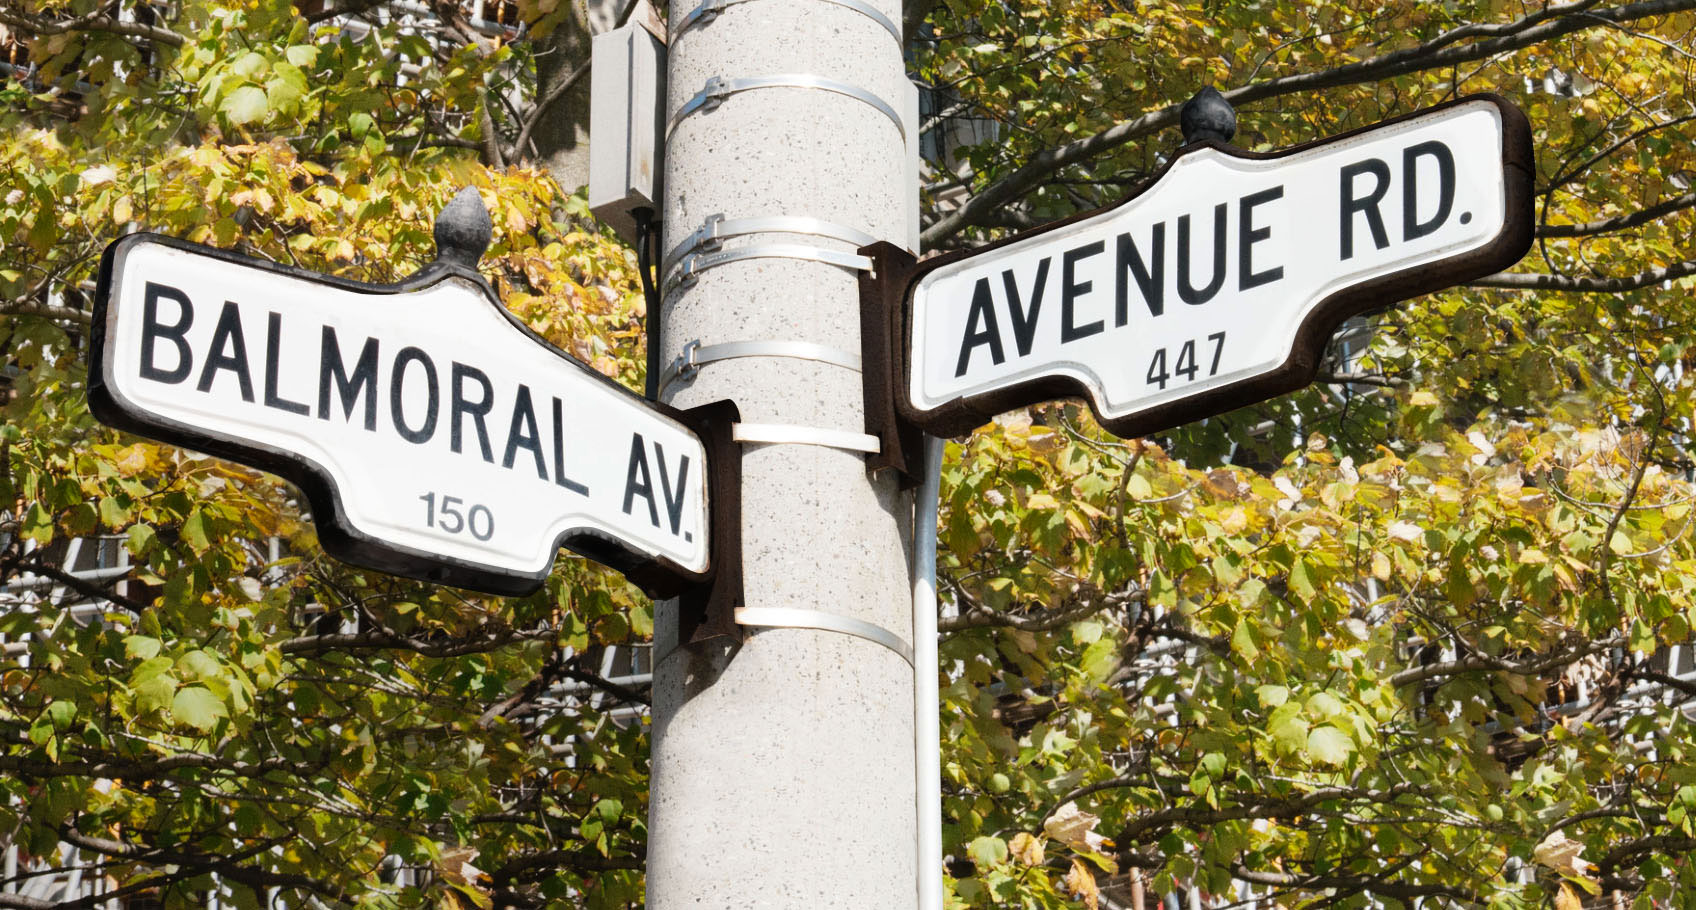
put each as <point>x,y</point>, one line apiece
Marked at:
<point>1220,283</point>
<point>433,434</point>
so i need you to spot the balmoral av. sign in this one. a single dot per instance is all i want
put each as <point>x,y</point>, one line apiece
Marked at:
<point>434,435</point>
<point>1220,283</point>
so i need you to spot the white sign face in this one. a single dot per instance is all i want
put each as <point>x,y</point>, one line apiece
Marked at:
<point>1206,279</point>
<point>447,435</point>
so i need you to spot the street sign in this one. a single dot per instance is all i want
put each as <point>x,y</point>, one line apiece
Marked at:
<point>1220,282</point>
<point>433,434</point>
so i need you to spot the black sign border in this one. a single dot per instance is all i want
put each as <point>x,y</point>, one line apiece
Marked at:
<point>656,575</point>
<point>897,274</point>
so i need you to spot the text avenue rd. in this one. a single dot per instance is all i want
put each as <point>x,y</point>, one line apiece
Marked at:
<point>448,436</point>
<point>1228,273</point>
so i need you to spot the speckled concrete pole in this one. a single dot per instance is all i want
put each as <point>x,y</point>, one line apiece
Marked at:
<point>783,773</point>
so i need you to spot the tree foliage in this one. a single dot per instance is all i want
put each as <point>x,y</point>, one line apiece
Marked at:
<point>1398,638</point>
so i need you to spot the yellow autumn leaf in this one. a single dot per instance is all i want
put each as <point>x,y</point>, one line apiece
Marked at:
<point>1041,501</point>
<point>132,460</point>
<point>1027,849</point>
<point>1381,567</point>
<point>1081,883</point>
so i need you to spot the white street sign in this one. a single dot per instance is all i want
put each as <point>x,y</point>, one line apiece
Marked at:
<point>434,435</point>
<point>1220,283</point>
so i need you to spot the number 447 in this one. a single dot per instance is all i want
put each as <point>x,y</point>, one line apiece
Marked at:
<point>1186,366</point>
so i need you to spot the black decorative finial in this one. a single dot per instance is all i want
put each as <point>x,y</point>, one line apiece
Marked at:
<point>463,230</point>
<point>1208,116</point>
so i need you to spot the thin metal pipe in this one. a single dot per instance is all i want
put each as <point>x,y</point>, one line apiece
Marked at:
<point>927,706</point>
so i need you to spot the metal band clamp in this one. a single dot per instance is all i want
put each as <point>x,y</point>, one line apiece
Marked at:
<point>694,354</point>
<point>695,263</point>
<point>719,88</point>
<point>709,237</point>
<point>794,618</point>
<point>791,434</point>
<point>709,10</point>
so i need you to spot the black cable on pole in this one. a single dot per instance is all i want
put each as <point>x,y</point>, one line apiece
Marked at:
<point>647,231</point>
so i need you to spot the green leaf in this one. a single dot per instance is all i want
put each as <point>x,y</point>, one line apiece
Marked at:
<point>304,56</point>
<point>1329,745</point>
<point>987,851</point>
<point>197,707</point>
<point>194,531</point>
<point>141,647</point>
<point>1287,727</point>
<point>250,65</point>
<point>1087,632</point>
<point>139,539</point>
<point>1323,706</point>
<point>286,87</point>
<point>81,520</point>
<point>1301,580</point>
<point>37,524</point>
<point>60,714</point>
<point>198,664</point>
<point>112,514</point>
<point>1642,637</point>
<point>609,810</point>
<point>245,105</point>
<point>154,693</point>
<point>1100,659</point>
<point>1242,641</point>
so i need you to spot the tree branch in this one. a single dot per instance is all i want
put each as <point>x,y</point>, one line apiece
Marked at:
<point>1478,662</point>
<point>83,586</point>
<point>1540,281</point>
<point>1684,686</point>
<point>350,8</point>
<point>1268,808</point>
<point>46,310</point>
<point>554,93</point>
<point>1631,850</point>
<point>129,769</point>
<point>1372,379</point>
<point>1619,222</point>
<point>93,22</point>
<point>1374,884</point>
<point>447,646</point>
<point>623,693</point>
<point>548,860</point>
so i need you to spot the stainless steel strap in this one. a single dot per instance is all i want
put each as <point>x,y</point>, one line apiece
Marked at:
<point>795,618</point>
<point>709,10</point>
<point>709,237</point>
<point>695,354</point>
<point>696,263</point>
<point>719,88</point>
<point>792,434</point>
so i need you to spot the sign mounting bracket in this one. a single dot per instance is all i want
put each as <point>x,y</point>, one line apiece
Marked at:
<point>883,290</point>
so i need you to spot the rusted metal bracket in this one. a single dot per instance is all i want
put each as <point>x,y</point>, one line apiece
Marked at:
<point>883,292</point>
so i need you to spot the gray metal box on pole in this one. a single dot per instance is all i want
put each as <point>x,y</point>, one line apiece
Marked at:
<point>627,123</point>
